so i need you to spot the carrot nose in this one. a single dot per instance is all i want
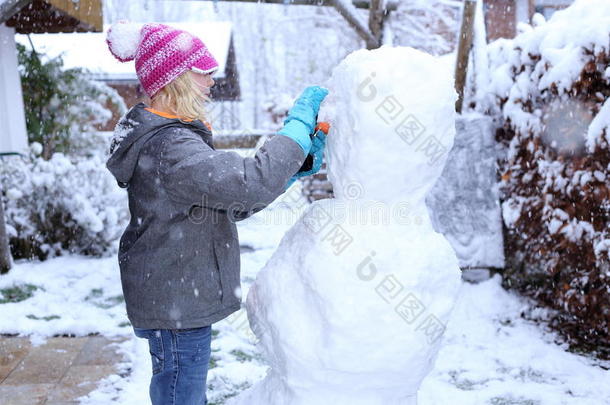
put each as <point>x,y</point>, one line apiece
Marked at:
<point>323,126</point>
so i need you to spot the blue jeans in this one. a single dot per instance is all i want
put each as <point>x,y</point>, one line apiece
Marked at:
<point>180,359</point>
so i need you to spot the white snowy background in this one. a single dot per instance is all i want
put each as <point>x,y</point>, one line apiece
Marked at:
<point>496,349</point>
<point>490,353</point>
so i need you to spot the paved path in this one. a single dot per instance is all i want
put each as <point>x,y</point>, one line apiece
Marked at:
<point>56,373</point>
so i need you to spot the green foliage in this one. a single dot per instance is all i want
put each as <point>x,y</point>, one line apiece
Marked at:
<point>17,293</point>
<point>43,318</point>
<point>62,106</point>
<point>241,356</point>
<point>64,204</point>
<point>97,298</point>
<point>95,293</point>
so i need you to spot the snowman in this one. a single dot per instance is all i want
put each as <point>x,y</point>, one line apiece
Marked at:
<point>351,308</point>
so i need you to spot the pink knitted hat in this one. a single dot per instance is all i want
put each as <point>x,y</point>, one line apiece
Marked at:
<point>162,53</point>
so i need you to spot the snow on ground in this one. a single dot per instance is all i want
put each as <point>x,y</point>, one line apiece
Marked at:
<point>73,295</point>
<point>490,354</point>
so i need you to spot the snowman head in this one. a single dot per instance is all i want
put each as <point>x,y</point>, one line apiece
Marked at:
<point>392,115</point>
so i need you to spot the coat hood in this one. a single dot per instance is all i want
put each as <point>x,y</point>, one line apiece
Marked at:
<point>134,130</point>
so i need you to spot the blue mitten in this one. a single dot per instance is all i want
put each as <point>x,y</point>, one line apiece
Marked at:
<point>317,152</point>
<point>301,120</point>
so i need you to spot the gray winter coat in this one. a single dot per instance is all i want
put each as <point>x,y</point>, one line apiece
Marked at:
<point>179,255</point>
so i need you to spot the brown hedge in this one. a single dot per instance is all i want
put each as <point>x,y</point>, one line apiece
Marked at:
<point>555,264</point>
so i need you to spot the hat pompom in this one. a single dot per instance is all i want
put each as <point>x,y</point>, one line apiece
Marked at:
<point>123,39</point>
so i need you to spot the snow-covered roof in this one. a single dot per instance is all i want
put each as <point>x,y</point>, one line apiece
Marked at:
<point>89,50</point>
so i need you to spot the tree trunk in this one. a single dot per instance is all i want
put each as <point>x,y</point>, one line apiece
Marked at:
<point>464,45</point>
<point>347,11</point>
<point>6,261</point>
<point>376,20</point>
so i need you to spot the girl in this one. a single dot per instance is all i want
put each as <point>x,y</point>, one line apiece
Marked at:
<point>179,255</point>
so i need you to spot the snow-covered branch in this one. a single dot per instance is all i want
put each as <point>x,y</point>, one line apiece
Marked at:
<point>349,12</point>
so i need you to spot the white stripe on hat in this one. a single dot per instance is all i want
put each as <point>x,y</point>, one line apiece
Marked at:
<point>197,70</point>
<point>153,38</point>
<point>169,50</point>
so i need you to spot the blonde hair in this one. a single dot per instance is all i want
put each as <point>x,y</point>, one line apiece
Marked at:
<point>183,98</point>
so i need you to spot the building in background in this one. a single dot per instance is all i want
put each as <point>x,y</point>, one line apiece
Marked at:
<point>90,52</point>
<point>502,16</point>
<point>27,17</point>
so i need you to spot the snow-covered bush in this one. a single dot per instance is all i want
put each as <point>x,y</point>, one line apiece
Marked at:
<point>64,106</point>
<point>61,198</point>
<point>551,86</point>
<point>64,204</point>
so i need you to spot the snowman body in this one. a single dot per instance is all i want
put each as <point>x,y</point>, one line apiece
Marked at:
<point>352,306</point>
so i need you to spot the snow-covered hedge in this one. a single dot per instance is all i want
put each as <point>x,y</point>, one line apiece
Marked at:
<point>551,85</point>
<point>63,107</point>
<point>61,197</point>
<point>61,204</point>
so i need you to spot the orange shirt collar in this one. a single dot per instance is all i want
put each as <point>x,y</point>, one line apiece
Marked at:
<point>166,115</point>
<point>171,116</point>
